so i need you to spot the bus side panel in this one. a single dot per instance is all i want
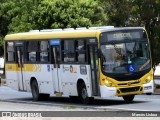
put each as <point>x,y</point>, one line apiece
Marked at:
<point>43,74</point>
<point>70,74</point>
<point>11,76</point>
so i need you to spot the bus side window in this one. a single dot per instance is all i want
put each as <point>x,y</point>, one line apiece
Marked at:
<point>32,48</point>
<point>44,51</point>
<point>68,51</point>
<point>10,53</point>
<point>81,51</point>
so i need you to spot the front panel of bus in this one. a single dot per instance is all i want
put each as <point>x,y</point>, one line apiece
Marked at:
<point>125,63</point>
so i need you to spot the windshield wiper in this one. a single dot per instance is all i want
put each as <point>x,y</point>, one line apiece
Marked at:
<point>144,65</point>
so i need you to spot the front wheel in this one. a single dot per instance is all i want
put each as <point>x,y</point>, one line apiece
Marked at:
<point>35,90</point>
<point>128,98</point>
<point>83,95</point>
<point>148,93</point>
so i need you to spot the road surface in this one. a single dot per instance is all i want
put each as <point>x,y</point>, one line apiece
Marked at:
<point>11,100</point>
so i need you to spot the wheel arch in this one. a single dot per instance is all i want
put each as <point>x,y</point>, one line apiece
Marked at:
<point>32,79</point>
<point>88,87</point>
<point>79,81</point>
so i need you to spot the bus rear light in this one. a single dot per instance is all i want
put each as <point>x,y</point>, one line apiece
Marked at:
<point>147,87</point>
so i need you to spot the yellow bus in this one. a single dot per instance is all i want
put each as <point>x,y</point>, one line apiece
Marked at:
<point>98,62</point>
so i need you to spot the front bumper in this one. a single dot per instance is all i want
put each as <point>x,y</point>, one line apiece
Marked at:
<point>122,91</point>
<point>107,91</point>
<point>119,91</point>
<point>149,87</point>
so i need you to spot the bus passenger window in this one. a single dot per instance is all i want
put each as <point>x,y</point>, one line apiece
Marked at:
<point>81,51</point>
<point>32,49</point>
<point>69,52</point>
<point>10,52</point>
<point>32,56</point>
<point>81,45</point>
<point>44,48</point>
<point>81,57</point>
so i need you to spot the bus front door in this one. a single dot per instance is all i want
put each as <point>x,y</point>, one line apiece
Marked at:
<point>94,69</point>
<point>56,69</point>
<point>20,67</point>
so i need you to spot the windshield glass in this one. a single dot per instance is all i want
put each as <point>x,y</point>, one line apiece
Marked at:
<point>125,57</point>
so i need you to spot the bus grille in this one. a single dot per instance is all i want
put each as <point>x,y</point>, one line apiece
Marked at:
<point>127,83</point>
<point>133,89</point>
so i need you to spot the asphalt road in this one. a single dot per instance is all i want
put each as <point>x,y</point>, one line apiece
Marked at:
<point>11,100</point>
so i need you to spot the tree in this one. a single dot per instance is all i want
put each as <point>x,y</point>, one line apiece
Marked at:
<point>1,47</point>
<point>23,16</point>
<point>117,11</point>
<point>145,13</point>
<point>5,19</point>
<point>68,13</point>
<point>136,13</point>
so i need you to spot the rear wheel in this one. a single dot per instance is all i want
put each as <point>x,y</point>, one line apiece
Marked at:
<point>128,98</point>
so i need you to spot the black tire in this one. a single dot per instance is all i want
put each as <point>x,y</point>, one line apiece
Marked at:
<point>82,93</point>
<point>128,98</point>
<point>35,92</point>
<point>148,93</point>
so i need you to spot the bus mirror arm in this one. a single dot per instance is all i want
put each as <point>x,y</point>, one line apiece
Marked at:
<point>99,53</point>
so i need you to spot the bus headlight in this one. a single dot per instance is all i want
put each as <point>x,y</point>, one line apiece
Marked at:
<point>148,79</point>
<point>108,83</point>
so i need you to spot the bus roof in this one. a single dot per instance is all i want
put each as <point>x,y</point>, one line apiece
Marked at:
<point>65,33</point>
<point>50,35</point>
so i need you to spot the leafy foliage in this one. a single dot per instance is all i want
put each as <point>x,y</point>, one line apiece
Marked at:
<point>24,15</point>
<point>68,13</point>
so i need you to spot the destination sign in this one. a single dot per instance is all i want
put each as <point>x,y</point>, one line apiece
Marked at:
<point>54,42</point>
<point>122,35</point>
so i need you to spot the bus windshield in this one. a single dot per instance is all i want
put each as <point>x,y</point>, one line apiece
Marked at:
<point>125,51</point>
<point>125,57</point>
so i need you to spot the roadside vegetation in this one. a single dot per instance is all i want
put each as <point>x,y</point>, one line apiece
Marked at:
<point>24,15</point>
